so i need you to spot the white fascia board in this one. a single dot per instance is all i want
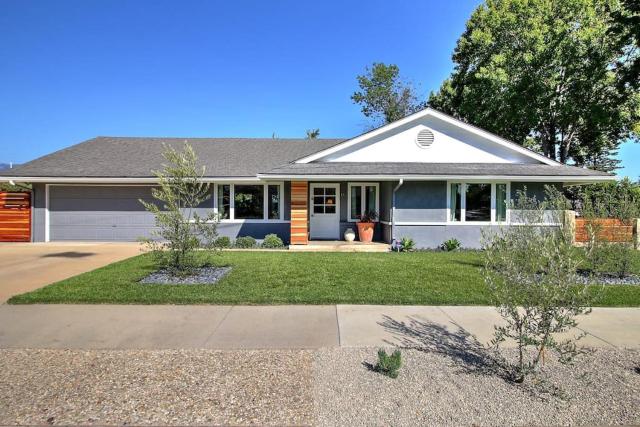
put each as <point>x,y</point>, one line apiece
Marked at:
<point>91,180</point>
<point>467,178</point>
<point>444,117</point>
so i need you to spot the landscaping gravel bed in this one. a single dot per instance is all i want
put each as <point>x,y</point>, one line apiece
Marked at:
<point>450,387</point>
<point>608,279</point>
<point>203,276</point>
<point>167,387</point>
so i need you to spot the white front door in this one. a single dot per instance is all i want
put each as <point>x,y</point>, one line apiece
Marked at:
<point>324,220</point>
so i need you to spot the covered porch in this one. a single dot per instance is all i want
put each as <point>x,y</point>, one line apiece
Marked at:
<point>340,246</point>
<point>321,212</point>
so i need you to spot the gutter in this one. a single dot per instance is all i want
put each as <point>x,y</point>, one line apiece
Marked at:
<point>393,210</point>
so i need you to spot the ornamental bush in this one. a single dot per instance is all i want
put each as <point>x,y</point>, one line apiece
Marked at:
<point>245,242</point>
<point>272,241</point>
<point>223,242</point>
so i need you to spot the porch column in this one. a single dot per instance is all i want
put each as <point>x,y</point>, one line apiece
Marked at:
<point>299,212</point>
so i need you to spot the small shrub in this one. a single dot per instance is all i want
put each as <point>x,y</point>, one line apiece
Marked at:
<point>245,242</point>
<point>272,241</point>
<point>618,257</point>
<point>450,245</point>
<point>388,364</point>
<point>223,242</point>
<point>407,244</point>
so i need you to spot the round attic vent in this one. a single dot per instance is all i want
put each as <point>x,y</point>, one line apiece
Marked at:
<point>425,138</point>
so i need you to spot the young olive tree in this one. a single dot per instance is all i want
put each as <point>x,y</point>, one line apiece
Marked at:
<point>181,230</point>
<point>530,268</point>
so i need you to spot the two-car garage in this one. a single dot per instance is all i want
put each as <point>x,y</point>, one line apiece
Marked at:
<point>98,213</point>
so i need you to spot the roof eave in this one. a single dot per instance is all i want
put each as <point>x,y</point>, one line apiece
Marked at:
<point>417,177</point>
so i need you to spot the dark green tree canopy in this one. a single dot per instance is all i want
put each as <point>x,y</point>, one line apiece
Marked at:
<point>383,96</point>
<point>545,74</point>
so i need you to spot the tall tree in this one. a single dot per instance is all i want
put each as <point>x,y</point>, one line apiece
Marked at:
<point>544,73</point>
<point>626,27</point>
<point>313,133</point>
<point>384,96</point>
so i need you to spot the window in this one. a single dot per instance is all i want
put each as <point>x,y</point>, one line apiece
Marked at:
<point>258,202</point>
<point>249,201</point>
<point>501,202</point>
<point>478,202</point>
<point>362,198</point>
<point>478,206</point>
<point>324,200</point>
<point>224,201</point>
<point>456,202</point>
<point>273,198</point>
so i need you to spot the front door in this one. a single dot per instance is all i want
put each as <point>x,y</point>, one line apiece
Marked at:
<point>324,220</point>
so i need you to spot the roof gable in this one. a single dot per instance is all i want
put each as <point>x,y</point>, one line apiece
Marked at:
<point>453,142</point>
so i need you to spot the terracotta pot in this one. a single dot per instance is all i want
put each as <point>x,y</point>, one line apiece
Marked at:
<point>365,231</point>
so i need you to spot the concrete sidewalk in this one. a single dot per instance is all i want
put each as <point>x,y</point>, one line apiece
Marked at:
<point>270,327</point>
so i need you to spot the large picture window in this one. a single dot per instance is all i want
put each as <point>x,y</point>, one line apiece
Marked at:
<point>478,202</point>
<point>478,207</point>
<point>258,202</point>
<point>363,197</point>
<point>249,201</point>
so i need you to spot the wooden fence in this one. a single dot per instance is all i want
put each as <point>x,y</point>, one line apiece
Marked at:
<point>606,229</point>
<point>15,217</point>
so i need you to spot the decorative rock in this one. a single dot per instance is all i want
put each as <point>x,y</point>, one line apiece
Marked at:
<point>202,276</point>
<point>607,279</point>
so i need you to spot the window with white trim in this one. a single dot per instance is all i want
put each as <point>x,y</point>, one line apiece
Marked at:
<point>362,197</point>
<point>478,202</point>
<point>249,202</point>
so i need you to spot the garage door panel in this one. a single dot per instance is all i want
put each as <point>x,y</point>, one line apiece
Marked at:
<point>99,233</point>
<point>99,213</point>
<point>101,204</point>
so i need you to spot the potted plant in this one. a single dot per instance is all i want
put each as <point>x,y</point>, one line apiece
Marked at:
<point>366,226</point>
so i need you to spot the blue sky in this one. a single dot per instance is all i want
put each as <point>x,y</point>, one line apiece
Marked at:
<point>72,70</point>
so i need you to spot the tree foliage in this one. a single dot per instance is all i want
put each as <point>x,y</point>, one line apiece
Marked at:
<point>384,96</point>
<point>313,133</point>
<point>546,74</point>
<point>181,230</point>
<point>531,272</point>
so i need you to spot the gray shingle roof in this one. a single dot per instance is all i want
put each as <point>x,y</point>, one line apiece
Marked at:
<point>116,157</point>
<point>435,169</point>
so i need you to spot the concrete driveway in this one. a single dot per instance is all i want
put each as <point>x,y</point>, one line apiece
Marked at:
<point>28,266</point>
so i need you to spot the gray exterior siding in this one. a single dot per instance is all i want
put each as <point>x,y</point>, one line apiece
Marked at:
<point>424,201</point>
<point>114,213</point>
<point>431,236</point>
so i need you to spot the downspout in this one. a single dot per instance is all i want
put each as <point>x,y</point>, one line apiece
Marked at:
<point>393,210</point>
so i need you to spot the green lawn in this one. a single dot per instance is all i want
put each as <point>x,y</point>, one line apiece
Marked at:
<point>430,278</point>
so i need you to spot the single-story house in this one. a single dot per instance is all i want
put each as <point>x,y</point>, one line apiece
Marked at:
<point>430,176</point>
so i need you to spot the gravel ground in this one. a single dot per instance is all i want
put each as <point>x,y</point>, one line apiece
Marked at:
<point>443,386</point>
<point>203,276</point>
<point>608,279</point>
<point>155,387</point>
<point>453,388</point>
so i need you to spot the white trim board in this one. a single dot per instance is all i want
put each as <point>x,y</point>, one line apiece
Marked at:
<point>441,116</point>
<point>517,178</point>
<point>92,180</point>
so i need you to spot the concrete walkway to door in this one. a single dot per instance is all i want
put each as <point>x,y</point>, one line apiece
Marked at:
<point>25,267</point>
<point>275,327</point>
